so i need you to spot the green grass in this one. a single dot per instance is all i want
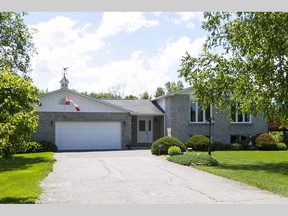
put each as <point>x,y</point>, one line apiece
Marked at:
<point>267,170</point>
<point>21,175</point>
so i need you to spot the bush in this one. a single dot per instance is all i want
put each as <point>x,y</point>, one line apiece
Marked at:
<point>174,150</point>
<point>281,146</point>
<point>166,143</point>
<point>33,146</point>
<point>48,146</point>
<point>220,146</point>
<point>236,146</point>
<point>265,142</point>
<point>194,159</point>
<point>198,142</point>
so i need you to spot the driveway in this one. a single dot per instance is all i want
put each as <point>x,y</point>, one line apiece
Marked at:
<point>137,177</point>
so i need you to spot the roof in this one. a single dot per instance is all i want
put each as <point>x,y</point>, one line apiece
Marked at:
<point>137,107</point>
<point>187,90</point>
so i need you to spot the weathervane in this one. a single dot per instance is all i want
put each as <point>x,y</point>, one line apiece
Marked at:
<point>65,68</point>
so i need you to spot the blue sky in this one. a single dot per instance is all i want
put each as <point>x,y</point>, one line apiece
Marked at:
<point>132,51</point>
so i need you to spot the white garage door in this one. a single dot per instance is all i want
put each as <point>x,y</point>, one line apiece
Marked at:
<point>88,135</point>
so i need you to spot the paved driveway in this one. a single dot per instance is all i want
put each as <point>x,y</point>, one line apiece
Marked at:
<point>137,177</point>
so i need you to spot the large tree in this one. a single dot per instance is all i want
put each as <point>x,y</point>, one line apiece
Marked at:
<point>18,96</point>
<point>243,63</point>
<point>17,112</point>
<point>16,45</point>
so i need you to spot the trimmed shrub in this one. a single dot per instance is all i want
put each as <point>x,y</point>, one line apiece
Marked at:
<point>236,146</point>
<point>166,142</point>
<point>48,146</point>
<point>174,150</point>
<point>198,142</point>
<point>281,146</point>
<point>33,146</point>
<point>193,159</point>
<point>265,142</point>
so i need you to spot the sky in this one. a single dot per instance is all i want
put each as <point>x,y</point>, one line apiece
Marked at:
<point>129,51</point>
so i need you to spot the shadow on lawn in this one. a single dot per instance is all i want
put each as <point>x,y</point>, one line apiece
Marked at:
<point>281,168</point>
<point>12,200</point>
<point>19,163</point>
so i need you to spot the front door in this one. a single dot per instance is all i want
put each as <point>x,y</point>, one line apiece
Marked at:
<point>144,130</point>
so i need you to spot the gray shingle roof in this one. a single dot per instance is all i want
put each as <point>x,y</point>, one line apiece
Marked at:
<point>137,107</point>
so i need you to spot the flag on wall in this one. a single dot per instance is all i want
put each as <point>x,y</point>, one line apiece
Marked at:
<point>67,102</point>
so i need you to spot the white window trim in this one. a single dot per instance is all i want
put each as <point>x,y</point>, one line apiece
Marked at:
<point>196,116</point>
<point>243,117</point>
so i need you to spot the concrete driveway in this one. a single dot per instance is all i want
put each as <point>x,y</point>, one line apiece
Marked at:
<point>137,177</point>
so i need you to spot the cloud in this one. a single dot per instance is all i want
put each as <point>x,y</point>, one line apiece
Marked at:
<point>187,18</point>
<point>66,42</point>
<point>129,22</point>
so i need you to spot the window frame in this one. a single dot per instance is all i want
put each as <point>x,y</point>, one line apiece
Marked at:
<point>205,121</point>
<point>244,115</point>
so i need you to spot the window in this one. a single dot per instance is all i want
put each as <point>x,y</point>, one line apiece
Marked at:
<point>238,117</point>
<point>142,125</point>
<point>235,138</point>
<point>198,114</point>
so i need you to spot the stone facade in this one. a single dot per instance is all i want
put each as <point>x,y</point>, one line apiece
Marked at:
<point>46,125</point>
<point>177,122</point>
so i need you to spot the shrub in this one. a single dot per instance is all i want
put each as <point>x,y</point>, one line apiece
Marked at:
<point>265,142</point>
<point>194,159</point>
<point>166,142</point>
<point>242,144</point>
<point>174,150</point>
<point>236,146</point>
<point>281,146</point>
<point>30,147</point>
<point>48,146</point>
<point>33,146</point>
<point>220,146</point>
<point>198,142</point>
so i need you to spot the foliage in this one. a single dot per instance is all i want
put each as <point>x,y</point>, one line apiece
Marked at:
<point>17,111</point>
<point>265,142</point>
<point>131,97</point>
<point>100,95</point>
<point>281,146</point>
<point>20,177</point>
<point>249,68</point>
<point>16,45</point>
<point>236,146</point>
<point>159,92</point>
<point>198,142</point>
<point>41,146</point>
<point>194,159</point>
<point>277,135</point>
<point>174,150</point>
<point>267,170</point>
<point>166,142</point>
<point>145,95</point>
<point>220,146</point>
<point>173,86</point>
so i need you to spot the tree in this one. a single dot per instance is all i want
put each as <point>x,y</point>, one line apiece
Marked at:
<point>145,95</point>
<point>17,112</point>
<point>131,97</point>
<point>173,86</point>
<point>159,92</point>
<point>249,68</point>
<point>16,45</point>
<point>100,95</point>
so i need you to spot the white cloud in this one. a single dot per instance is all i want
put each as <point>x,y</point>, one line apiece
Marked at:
<point>188,18</point>
<point>64,42</point>
<point>115,22</point>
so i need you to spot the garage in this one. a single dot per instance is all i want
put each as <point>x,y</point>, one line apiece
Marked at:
<point>87,135</point>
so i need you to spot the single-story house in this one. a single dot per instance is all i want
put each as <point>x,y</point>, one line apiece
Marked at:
<point>74,121</point>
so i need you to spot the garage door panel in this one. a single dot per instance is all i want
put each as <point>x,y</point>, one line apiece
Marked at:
<point>88,135</point>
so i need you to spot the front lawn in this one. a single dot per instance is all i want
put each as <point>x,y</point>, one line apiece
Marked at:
<point>267,170</point>
<point>20,177</point>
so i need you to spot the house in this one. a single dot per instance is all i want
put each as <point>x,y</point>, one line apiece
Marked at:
<point>74,121</point>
